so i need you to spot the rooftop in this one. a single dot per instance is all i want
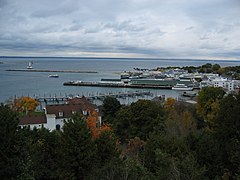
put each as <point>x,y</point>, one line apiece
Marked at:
<point>33,119</point>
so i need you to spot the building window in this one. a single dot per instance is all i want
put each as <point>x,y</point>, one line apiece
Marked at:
<point>60,114</point>
<point>73,112</point>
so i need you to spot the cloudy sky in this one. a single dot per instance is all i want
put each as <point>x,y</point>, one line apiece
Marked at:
<point>208,29</point>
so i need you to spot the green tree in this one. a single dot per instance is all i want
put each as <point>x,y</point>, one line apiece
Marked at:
<point>110,106</point>
<point>169,158</point>
<point>139,120</point>
<point>78,149</point>
<point>107,148</point>
<point>208,102</point>
<point>206,150</point>
<point>45,154</point>
<point>121,123</point>
<point>9,148</point>
<point>216,67</point>
<point>228,134</point>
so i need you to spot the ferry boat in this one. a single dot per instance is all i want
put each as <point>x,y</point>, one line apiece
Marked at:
<point>181,87</point>
<point>53,76</point>
<point>30,65</point>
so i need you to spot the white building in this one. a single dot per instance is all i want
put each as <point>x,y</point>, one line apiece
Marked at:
<point>228,85</point>
<point>56,115</point>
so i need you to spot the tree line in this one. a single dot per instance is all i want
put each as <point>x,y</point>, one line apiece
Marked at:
<point>229,71</point>
<point>143,140</point>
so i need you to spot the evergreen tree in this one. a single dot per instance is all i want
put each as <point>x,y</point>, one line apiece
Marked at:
<point>139,120</point>
<point>78,149</point>
<point>9,149</point>
<point>106,147</point>
<point>228,133</point>
<point>110,106</point>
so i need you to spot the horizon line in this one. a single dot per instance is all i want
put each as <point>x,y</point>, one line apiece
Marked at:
<point>134,58</point>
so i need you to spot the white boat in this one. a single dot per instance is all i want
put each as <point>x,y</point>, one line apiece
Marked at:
<point>53,76</point>
<point>181,87</point>
<point>30,65</point>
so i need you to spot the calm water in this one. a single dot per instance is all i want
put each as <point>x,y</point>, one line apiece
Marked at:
<point>38,83</point>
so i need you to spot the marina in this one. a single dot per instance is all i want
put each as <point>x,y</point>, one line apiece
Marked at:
<point>99,96</point>
<point>95,98</point>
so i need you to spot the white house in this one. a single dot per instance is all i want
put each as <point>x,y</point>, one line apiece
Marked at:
<point>56,115</point>
<point>37,121</point>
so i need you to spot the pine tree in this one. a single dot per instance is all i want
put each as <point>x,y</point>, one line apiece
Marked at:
<point>78,149</point>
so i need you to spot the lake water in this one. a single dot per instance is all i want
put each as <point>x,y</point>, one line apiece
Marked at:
<point>39,84</point>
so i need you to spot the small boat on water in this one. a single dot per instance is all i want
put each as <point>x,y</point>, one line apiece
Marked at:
<point>30,65</point>
<point>181,87</point>
<point>189,94</point>
<point>53,76</point>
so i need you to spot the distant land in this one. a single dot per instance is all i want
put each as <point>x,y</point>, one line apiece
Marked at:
<point>131,58</point>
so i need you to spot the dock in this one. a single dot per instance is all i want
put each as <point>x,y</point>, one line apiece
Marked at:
<point>91,97</point>
<point>116,85</point>
<point>51,70</point>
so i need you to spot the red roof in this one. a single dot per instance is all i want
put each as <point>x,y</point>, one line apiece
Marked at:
<point>83,102</point>
<point>33,119</point>
<point>72,106</point>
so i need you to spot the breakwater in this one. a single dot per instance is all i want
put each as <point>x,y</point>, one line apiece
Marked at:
<point>49,70</point>
<point>116,85</point>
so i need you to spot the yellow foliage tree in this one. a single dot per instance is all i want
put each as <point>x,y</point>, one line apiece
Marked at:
<point>178,123</point>
<point>25,104</point>
<point>169,104</point>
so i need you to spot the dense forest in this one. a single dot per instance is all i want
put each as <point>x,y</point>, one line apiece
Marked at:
<point>144,140</point>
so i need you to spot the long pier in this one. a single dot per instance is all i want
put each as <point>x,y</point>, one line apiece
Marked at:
<point>50,70</point>
<point>117,85</point>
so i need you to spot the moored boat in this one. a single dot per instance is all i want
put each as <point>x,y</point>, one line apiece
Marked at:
<point>181,87</point>
<point>53,76</point>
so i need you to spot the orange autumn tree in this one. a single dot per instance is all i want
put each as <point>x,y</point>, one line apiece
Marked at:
<point>25,104</point>
<point>92,122</point>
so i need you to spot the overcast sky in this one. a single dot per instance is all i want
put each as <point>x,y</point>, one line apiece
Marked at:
<point>208,29</point>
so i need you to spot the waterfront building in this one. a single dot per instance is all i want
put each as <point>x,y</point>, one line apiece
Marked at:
<point>216,81</point>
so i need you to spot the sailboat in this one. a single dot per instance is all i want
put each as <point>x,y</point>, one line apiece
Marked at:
<point>30,65</point>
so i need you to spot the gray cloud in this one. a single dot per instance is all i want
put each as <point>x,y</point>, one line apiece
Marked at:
<point>189,28</point>
<point>151,28</point>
